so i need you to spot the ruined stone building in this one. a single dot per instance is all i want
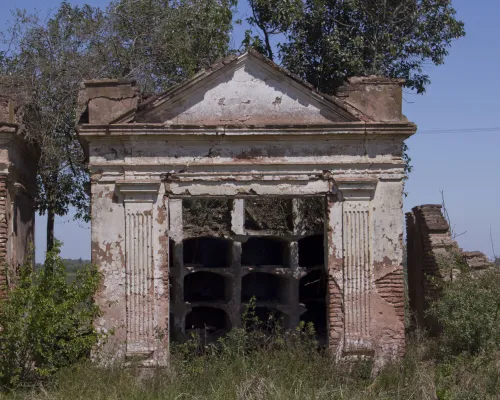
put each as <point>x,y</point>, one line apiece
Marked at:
<point>17,188</point>
<point>245,181</point>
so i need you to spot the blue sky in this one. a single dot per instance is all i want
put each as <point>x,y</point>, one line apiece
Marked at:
<point>465,165</point>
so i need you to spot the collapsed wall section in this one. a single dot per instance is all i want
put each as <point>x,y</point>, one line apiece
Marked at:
<point>432,255</point>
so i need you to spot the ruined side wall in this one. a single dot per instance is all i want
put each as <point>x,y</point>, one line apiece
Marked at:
<point>429,245</point>
<point>17,188</point>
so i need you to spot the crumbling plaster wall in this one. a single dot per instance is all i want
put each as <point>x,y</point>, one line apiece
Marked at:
<point>134,294</point>
<point>225,173</point>
<point>239,95</point>
<point>17,188</point>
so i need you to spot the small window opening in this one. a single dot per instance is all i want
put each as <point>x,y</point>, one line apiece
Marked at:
<point>206,217</point>
<point>269,214</point>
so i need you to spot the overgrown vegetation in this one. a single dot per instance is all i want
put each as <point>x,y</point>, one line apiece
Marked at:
<point>274,214</point>
<point>262,362</point>
<point>468,311</point>
<point>46,321</point>
<point>206,217</point>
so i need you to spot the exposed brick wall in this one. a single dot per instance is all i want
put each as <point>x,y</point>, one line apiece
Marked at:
<point>391,289</point>
<point>334,300</point>
<point>429,243</point>
<point>335,313</point>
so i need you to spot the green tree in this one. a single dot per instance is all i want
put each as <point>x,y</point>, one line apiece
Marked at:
<point>328,41</point>
<point>156,42</point>
<point>272,17</point>
<point>47,61</point>
<point>160,43</point>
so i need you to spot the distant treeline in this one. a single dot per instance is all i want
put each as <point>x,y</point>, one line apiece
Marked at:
<point>72,265</point>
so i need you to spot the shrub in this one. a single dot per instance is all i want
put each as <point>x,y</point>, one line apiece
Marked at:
<point>468,311</point>
<point>46,321</point>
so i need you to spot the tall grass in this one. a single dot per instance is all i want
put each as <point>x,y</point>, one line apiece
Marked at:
<point>285,367</point>
<point>261,361</point>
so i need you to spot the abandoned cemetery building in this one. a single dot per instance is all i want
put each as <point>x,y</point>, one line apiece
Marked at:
<point>246,182</point>
<point>242,183</point>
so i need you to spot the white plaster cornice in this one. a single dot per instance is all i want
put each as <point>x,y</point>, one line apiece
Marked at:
<point>157,131</point>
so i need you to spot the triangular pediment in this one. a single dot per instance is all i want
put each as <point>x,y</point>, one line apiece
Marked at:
<point>245,90</point>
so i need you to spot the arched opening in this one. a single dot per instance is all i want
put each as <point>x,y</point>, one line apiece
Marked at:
<point>311,251</point>
<point>265,287</point>
<point>205,286</point>
<point>313,286</point>
<point>259,251</point>
<point>207,252</point>
<point>212,320</point>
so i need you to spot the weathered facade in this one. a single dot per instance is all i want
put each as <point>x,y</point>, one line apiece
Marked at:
<point>259,152</point>
<point>17,187</point>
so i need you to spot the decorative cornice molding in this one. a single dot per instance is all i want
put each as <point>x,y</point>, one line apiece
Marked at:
<point>157,131</point>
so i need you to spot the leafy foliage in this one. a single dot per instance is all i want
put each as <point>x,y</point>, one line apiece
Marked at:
<point>43,70</point>
<point>328,41</point>
<point>46,321</point>
<point>468,310</point>
<point>272,17</point>
<point>162,42</point>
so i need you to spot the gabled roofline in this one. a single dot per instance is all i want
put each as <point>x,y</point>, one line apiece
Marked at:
<point>335,105</point>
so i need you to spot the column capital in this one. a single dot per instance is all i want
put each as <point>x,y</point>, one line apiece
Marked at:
<point>134,191</point>
<point>351,188</point>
